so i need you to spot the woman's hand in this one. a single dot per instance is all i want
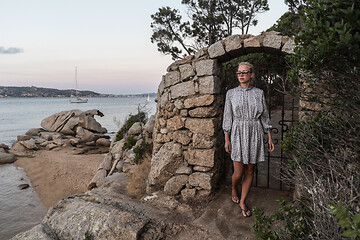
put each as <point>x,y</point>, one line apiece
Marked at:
<point>271,143</point>
<point>227,144</point>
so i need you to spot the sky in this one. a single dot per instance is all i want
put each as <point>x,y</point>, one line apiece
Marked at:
<point>42,41</point>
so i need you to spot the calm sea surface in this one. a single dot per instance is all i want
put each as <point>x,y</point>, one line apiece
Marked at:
<point>20,210</point>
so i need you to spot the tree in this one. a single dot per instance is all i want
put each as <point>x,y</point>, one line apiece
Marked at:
<point>325,145</point>
<point>210,21</point>
<point>289,24</point>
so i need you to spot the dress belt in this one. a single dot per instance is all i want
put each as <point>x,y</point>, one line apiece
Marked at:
<point>247,119</point>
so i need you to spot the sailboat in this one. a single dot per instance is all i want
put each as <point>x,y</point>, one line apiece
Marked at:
<point>78,99</point>
<point>148,99</point>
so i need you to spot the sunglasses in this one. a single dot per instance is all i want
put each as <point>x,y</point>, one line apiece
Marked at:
<point>243,72</point>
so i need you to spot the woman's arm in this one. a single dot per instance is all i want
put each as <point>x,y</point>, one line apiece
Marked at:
<point>227,143</point>
<point>271,143</point>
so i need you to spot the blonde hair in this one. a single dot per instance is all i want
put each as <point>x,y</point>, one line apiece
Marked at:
<point>252,69</point>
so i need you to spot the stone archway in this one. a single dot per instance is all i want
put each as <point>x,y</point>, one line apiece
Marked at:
<point>187,154</point>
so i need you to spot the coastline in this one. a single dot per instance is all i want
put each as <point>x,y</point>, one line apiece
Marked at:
<point>59,173</point>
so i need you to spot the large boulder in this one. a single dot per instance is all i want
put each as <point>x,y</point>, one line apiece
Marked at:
<point>6,157</point>
<point>165,163</point>
<point>136,128</point>
<point>87,121</point>
<point>57,121</point>
<point>149,126</point>
<point>20,150</point>
<point>34,131</point>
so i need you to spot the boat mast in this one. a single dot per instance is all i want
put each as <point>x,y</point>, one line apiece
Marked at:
<point>76,85</point>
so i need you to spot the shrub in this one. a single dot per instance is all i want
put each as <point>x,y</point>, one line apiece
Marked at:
<point>289,222</point>
<point>139,117</point>
<point>141,150</point>
<point>137,179</point>
<point>130,142</point>
<point>347,220</point>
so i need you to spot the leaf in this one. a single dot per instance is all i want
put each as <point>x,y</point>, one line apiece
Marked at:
<point>349,233</point>
<point>344,223</point>
<point>356,218</point>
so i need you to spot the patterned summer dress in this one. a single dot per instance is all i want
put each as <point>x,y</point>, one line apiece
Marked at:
<point>246,119</point>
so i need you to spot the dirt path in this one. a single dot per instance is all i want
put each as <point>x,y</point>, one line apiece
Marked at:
<point>59,173</point>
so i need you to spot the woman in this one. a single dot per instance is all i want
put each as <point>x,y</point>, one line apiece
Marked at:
<point>245,120</point>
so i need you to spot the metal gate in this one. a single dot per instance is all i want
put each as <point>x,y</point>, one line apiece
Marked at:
<point>283,110</point>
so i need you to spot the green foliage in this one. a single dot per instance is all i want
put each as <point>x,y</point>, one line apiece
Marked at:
<point>330,39</point>
<point>129,143</point>
<point>289,222</point>
<point>289,24</point>
<point>351,222</point>
<point>209,22</point>
<point>141,150</point>
<point>140,117</point>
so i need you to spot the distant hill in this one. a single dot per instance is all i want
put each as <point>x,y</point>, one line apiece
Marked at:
<point>6,91</point>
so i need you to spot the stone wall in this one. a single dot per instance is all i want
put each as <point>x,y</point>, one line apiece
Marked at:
<point>188,138</point>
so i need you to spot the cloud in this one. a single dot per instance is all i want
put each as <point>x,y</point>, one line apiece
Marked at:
<point>11,50</point>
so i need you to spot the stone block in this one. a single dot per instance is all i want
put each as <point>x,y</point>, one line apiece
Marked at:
<point>188,194</point>
<point>204,100</point>
<point>183,137</point>
<point>272,42</point>
<point>182,90</point>
<point>202,180</point>
<point>165,163</point>
<point>202,169</point>
<point>186,71</point>
<point>233,42</point>
<point>161,86</point>
<point>183,113</point>
<point>184,170</point>
<point>209,85</point>
<point>288,47</point>
<point>178,104</point>
<point>216,50</point>
<point>174,185</point>
<point>202,141</point>
<point>175,123</point>
<point>172,78</point>
<point>253,44</point>
<point>200,157</point>
<point>202,112</point>
<point>206,67</point>
<point>201,53</point>
<point>204,126</point>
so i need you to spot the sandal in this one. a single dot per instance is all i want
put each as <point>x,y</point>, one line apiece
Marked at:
<point>235,199</point>
<point>247,212</point>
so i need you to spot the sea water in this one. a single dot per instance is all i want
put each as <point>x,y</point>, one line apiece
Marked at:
<point>20,210</point>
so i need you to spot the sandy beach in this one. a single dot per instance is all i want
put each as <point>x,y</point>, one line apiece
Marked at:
<point>59,173</point>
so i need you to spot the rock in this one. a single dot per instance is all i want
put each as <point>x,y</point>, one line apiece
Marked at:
<point>182,90</point>
<point>106,163</point>
<point>188,194</point>
<point>175,123</point>
<point>91,143</point>
<point>23,138</point>
<point>57,121</point>
<point>4,146</point>
<point>103,142</point>
<point>216,50</point>
<point>51,146</point>
<point>45,143</point>
<point>204,100</point>
<point>175,184</point>
<point>39,141</point>
<point>182,136</point>
<point>99,175</point>
<point>6,157</point>
<point>136,128</point>
<point>87,121</point>
<point>29,144</point>
<point>203,126</point>
<point>209,85</point>
<point>48,135</point>
<point>201,169</point>
<point>165,163</point>
<point>202,141</point>
<point>34,131</point>
<point>129,156</point>
<point>85,135</point>
<point>202,180</point>
<point>117,148</point>
<point>23,186</point>
<point>74,141</point>
<point>200,157</point>
<point>184,170</point>
<point>171,78</point>
<point>19,150</point>
<point>206,67</point>
<point>204,112</point>
<point>149,126</point>
<point>186,71</point>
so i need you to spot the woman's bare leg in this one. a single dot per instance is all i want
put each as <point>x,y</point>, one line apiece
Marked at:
<point>236,177</point>
<point>249,175</point>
